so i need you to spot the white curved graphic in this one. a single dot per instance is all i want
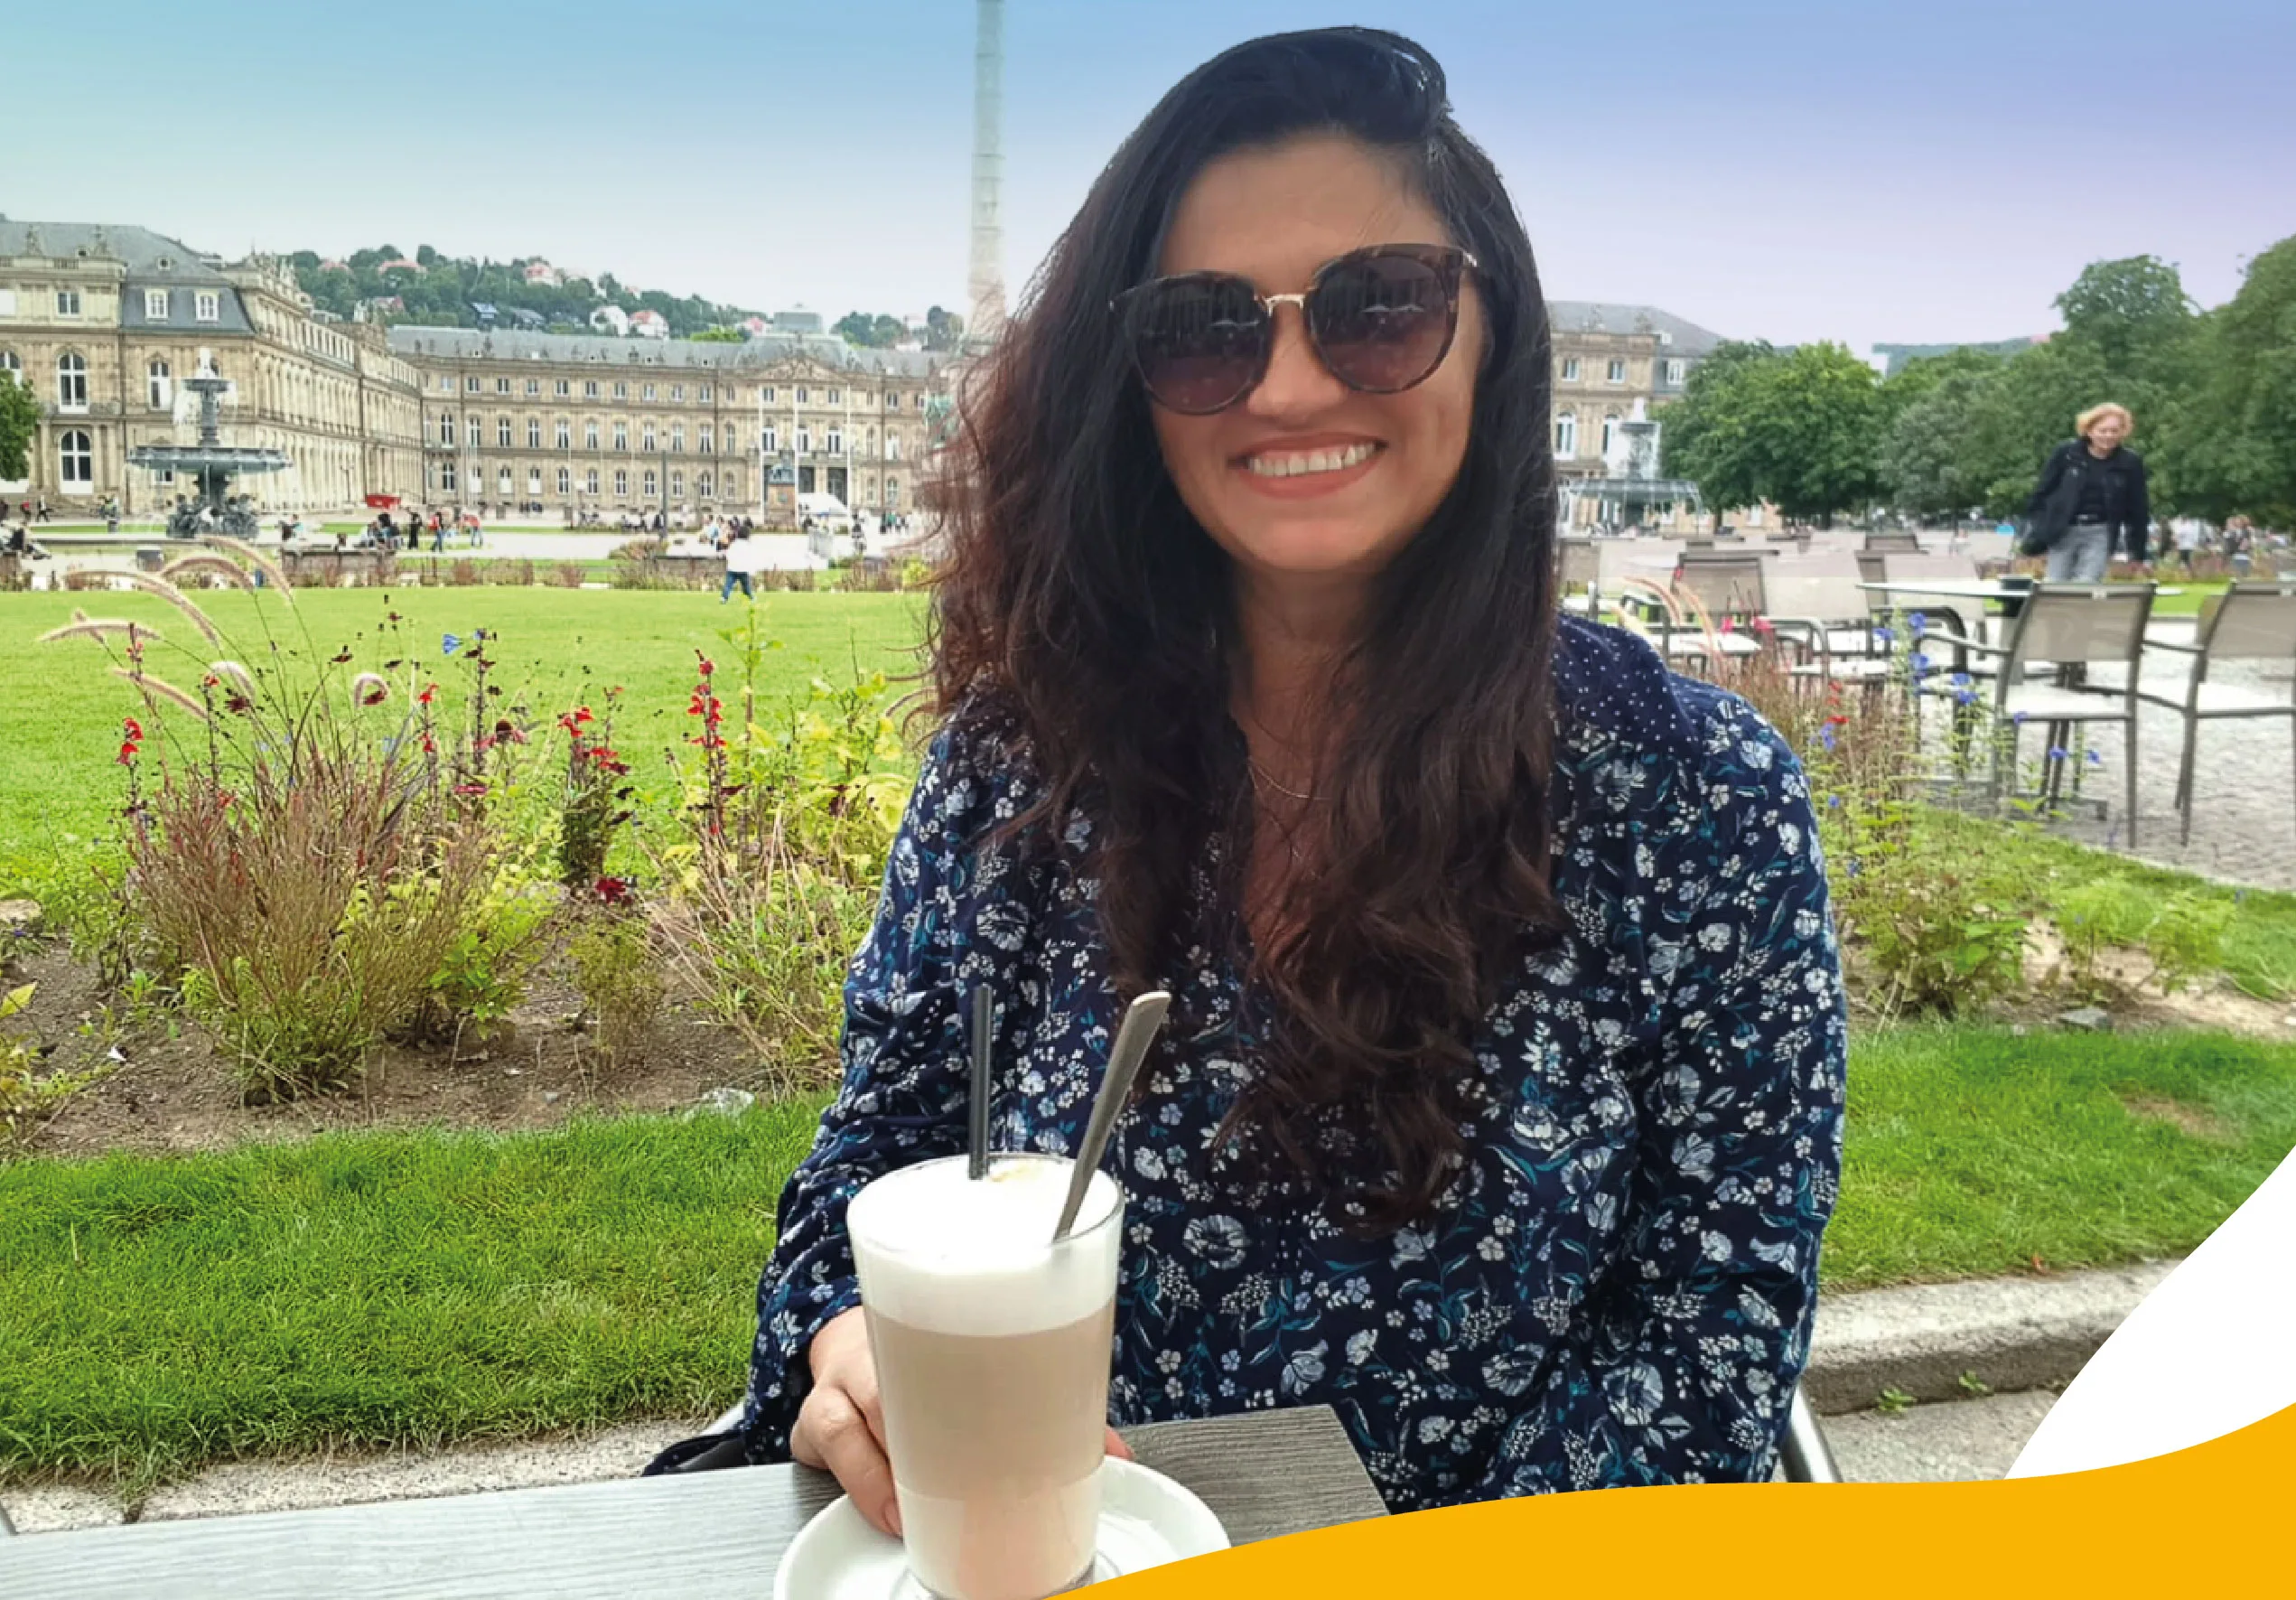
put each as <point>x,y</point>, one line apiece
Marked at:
<point>2209,1352</point>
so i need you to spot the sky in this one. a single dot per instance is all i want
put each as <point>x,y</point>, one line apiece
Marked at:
<point>1788,171</point>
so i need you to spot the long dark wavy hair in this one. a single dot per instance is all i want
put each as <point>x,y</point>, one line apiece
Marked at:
<point>1082,606</point>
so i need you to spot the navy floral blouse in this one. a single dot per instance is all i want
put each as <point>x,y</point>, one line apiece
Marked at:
<point>1622,1293</point>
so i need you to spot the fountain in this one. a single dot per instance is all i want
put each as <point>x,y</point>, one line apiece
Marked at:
<point>1630,485</point>
<point>212,465</point>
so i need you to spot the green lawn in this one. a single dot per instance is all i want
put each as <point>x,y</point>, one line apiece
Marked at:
<point>60,706</point>
<point>397,1287</point>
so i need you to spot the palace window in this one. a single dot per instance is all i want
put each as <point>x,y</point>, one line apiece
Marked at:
<point>646,437</point>
<point>565,433</point>
<point>534,432</point>
<point>892,493</point>
<point>1566,438</point>
<point>622,436</point>
<point>12,365</point>
<point>72,383</point>
<point>892,446</point>
<point>770,440</point>
<point>892,401</point>
<point>621,484</point>
<point>733,446</point>
<point>502,385</point>
<point>76,460</point>
<point>703,485</point>
<point>677,391</point>
<point>446,476</point>
<point>705,444</point>
<point>648,490</point>
<point>835,397</point>
<point>767,393</point>
<point>470,385</point>
<point>650,391</point>
<point>801,399</point>
<point>621,390</point>
<point>732,484</point>
<point>834,442</point>
<point>678,438</point>
<point>805,441</point>
<point>502,432</point>
<point>533,482</point>
<point>589,388</point>
<point>475,433</point>
<point>1609,433</point>
<point>677,484</point>
<point>565,482</point>
<point>446,383</point>
<point>589,482</point>
<point>1616,371</point>
<point>447,428</point>
<point>67,303</point>
<point>534,386</point>
<point>590,433</point>
<point>155,305</point>
<point>560,388</point>
<point>1674,373</point>
<point>704,392</point>
<point>162,384</point>
<point>207,307</point>
<point>1569,368</point>
<point>502,482</point>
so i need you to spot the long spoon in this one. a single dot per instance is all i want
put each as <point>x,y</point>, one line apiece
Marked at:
<point>983,1056</point>
<point>1133,1036</point>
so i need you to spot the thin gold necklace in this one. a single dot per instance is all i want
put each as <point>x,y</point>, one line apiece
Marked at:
<point>1263,775</point>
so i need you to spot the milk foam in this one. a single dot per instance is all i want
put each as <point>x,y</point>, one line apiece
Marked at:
<point>937,1250</point>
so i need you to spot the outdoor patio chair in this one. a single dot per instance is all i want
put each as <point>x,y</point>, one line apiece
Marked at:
<point>1579,565</point>
<point>1802,1454</point>
<point>1715,591</point>
<point>2063,625</point>
<point>1892,543</point>
<point>1814,604</point>
<point>2248,622</point>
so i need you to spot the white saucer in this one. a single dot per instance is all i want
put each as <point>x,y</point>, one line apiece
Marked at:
<point>1145,1520</point>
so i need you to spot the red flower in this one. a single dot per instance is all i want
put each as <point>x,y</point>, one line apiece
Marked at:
<point>134,729</point>
<point>1837,720</point>
<point>708,666</point>
<point>127,755</point>
<point>613,890</point>
<point>375,696</point>
<point>423,698</point>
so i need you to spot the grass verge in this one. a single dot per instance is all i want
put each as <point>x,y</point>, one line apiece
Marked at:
<point>420,1287</point>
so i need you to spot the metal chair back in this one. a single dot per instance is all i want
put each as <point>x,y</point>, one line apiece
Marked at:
<point>2252,621</point>
<point>1891,543</point>
<point>1921,567</point>
<point>1727,584</point>
<point>1581,563</point>
<point>1821,588</point>
<point>2088,622</point>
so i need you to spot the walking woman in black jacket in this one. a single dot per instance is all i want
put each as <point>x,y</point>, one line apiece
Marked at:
<point>2091,501</point>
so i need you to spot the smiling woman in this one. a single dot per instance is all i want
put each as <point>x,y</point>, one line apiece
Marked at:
<point>1500,1104</point>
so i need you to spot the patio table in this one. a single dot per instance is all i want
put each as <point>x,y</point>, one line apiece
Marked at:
<point>1263,1474</point>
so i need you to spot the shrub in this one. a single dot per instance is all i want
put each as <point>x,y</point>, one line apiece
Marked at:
<point>570,574</point>
<point>2186,940</point>
<point>618,976</point>
<point>509,574</point>
<point>302,855</point>
<point>596,797</point>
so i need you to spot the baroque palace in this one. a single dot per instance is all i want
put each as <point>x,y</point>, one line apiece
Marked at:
<point>101,322</point>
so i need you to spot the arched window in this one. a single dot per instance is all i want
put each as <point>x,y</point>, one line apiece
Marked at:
<point>704,485</point>
<point>502,477</point>
<point>1567,437</point>
<point>1609,433</point>
<point>650,482</point>
<point>622,482</point>
<point>162,386</point>
<point>565,482</point>
<point>76,461</point>
<point>533,482</point>
<point>589,482</point>
<point>10,366</point>
<point>590,433</point>
<point>502,432</point>
<point>534,432</point>
<point>72,383</point>
<point>566,435</point>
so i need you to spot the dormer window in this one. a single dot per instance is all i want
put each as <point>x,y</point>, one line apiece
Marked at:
<point>155,305</point>
<point>206,306</point>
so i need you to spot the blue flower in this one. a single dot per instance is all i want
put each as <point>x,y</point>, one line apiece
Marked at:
<point>2018,718</point>
<point>1919,661</point>
<point>1917,622</point>
<point>1883,635</point>
<point>449,643</point>
<point>1832,803</point>
<point>1960,680</point>
<point>2056,752</point>
<point>1825,735</point>
<point>2096,760</point>
<point>1964,697</point>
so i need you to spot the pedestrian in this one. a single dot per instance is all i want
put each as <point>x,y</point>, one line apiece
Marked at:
<point>43,514</point>
<point>1500,1110</point>
<point>741,557</point>
<point>2090,498</point>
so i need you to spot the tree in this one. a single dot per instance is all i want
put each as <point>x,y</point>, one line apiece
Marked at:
<point>2134,310</point>
<point>1703,438</point>
<point>1930,455</point>
<point>2248,412</point>
<point>944,330</point>
<point>19,425</point>
<point>717,336</point>
<point>1800,428</point>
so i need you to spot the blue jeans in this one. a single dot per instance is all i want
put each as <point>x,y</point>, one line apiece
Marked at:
<point>2081,555</point>
<point>725,591</point>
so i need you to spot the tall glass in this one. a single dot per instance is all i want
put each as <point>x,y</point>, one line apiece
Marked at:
<point>992,1347</point>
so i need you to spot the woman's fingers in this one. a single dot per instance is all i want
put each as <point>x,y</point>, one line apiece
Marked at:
<point>833,1434</point>
<point>1118,1447</point>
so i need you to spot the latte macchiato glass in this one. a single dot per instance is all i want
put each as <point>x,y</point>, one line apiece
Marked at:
<point>991,1345</point>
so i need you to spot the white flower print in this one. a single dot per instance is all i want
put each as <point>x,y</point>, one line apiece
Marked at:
<point>1220,1240</point>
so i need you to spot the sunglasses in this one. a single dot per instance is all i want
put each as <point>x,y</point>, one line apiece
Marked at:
<point>1381,321</point>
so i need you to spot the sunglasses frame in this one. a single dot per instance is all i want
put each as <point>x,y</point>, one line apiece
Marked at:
<point>1451,265</point>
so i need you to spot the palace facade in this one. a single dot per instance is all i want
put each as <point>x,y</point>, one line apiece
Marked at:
<point>101,322</point>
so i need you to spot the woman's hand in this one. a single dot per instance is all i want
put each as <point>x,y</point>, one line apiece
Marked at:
<point>841,1426</point>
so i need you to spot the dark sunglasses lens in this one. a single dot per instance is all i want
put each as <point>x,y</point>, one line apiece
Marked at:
<point>1383,323</point>
<point>1199,341</point>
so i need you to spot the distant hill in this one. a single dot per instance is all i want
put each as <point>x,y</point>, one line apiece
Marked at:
<point>443,291</point>
<point>1897,355</point>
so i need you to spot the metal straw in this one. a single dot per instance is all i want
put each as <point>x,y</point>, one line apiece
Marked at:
<point>983,1052</point>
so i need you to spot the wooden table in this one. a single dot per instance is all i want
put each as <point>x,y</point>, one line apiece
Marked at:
<point>1263,1474</point>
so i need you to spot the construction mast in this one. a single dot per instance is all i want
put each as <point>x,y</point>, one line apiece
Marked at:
<point>986,319</point>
